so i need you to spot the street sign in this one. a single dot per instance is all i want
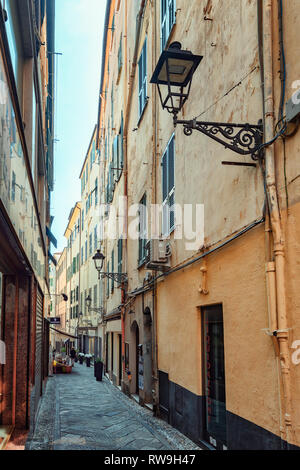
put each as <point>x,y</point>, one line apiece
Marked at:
<point>54,320</point>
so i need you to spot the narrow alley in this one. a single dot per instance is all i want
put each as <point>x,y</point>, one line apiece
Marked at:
<point>79,413</point>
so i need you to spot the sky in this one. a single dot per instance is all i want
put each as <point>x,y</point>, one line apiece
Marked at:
<point>79,34</point>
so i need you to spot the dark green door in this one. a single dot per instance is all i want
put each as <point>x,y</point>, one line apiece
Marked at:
<point>214,376</point>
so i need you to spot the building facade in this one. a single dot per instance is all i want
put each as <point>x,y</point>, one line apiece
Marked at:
<point>26,182</point>
<point>208,337</point>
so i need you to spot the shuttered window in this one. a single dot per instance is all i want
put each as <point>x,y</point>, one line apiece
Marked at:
<point>115,162</point>
<point>142,229</point>
<point>95,238</point>
<point>120,256</point>
<point>168,19</point>
<point>91,244</point>
<point>95,295</point>
<point>143,79</point>
<point>112,269</point>
<point>13,187</point>
<point>107,282</point>
<point>96,191</point>
<point>168,188</point>
<point>120,141</point>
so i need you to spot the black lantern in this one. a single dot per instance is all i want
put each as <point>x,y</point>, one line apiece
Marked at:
<point>99,260</point>
<point>88,302</point>
<point>175,69</point>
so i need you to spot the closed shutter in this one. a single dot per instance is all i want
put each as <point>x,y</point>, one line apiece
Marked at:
<point>120,256</point>
<point>112,269</point>
<point>38,348</point>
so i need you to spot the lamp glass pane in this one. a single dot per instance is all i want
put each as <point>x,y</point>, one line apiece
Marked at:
<point>178,70</point>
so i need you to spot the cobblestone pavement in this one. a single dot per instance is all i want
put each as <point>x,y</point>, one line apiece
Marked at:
<point>79,413</point>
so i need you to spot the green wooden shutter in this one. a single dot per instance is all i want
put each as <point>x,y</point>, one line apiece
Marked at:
<point>120,256</point>
<point>107,285</point>
<point>112,269</point>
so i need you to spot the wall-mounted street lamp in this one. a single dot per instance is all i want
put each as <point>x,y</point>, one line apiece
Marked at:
<point>88,303</point>
<point>120,278</point>
<point>175,69</point>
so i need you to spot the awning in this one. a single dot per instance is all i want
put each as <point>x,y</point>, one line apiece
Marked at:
<point>51,237</point>
<point>52,258</point>
<point>63,333</point>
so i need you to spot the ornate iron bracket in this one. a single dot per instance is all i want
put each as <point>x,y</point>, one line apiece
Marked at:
<point>245,139</point>
<point>100,310</point>
<point>119,278</point>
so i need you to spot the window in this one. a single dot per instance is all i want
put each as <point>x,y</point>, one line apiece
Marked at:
<point>143,79</point>
<point>112,269</point>
<point>86,250</point>
<point>168,188</point>
<point>91,244</point>
<point>143,229</point>
<point>93,156</point>
<point>120,145</point>
<point>82,255</point>
<point>95,295</point>
<point>120,256</point>
<point>96,191</point>
<point>95,238</point>
<point>82,220</point>
<point>107,282</point>
<point>13,187</point>
<point>168,19</point>
<point>120,59</point>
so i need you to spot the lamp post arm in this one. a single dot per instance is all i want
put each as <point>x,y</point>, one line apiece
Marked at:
<point>244,139</point>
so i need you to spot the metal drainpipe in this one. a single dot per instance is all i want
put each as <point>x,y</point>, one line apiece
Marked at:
<point>279,246</point>
<point>155,384</point>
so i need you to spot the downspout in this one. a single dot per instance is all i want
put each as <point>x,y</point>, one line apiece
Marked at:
<point>125,145</point>
<point>155,382</point>
<point>279,245</point>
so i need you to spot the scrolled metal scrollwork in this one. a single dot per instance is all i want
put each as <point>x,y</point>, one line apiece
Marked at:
<point>245,139</point>
<point>119,278</point>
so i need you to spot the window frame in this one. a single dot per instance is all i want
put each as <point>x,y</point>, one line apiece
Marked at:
<point>142,78</point>
<point>167,228</point>
<point>142,254</point>
<point>166,22</point>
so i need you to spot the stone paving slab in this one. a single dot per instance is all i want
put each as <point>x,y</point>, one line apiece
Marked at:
<point>79,413</point>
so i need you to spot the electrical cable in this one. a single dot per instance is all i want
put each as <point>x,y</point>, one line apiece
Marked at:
<point>228,92</point>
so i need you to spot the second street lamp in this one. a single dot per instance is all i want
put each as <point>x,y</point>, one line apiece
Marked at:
<point>175,69</point>
<point>120,278</point>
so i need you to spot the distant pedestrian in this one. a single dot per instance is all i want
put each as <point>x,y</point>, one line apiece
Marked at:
<point>73,355</point>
